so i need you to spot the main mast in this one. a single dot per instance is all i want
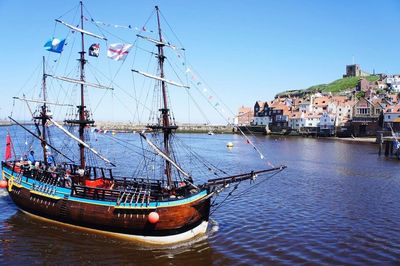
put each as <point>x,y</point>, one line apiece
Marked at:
<point>164,111</point>
<point>81,108</point>
<point>83,120</point>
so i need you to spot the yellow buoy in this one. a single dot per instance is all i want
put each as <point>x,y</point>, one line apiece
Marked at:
<point>229,144</point>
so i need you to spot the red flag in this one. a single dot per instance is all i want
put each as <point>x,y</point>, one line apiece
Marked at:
<point>8,147</point>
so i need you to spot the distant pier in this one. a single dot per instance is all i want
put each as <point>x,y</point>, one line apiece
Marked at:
<point>388,146</point>
<point>182,128</point>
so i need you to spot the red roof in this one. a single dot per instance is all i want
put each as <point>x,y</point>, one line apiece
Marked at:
<point>394,109</point>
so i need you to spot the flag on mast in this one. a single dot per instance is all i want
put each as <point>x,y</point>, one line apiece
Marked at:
<point>8,147</point>
<point>94,50</point>
<point>118,51</point>
<point>54,45</point>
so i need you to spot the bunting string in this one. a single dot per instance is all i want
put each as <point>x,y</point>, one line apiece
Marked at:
<point>213,100</point>
<point>129,27</point>
<point>193,78</point>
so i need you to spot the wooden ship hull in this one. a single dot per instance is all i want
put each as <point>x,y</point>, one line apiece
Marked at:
<point>100,209</point>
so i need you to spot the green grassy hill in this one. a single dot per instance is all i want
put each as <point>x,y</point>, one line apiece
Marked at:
<point>334,87</point>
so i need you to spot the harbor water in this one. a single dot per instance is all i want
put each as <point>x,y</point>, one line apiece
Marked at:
<point>336,203</point>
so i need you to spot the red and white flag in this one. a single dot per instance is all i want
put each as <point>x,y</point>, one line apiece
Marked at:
<point>118,51</point>
<point>8,147</point>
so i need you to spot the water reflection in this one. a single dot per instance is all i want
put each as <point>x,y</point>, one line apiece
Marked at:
<point>29,240</point>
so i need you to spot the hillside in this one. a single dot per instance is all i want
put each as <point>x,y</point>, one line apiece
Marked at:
<point>334,87</point>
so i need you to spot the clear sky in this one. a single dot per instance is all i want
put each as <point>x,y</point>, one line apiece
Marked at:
<point>245,50</point>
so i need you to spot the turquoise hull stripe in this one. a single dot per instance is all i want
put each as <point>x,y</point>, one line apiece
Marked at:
<point>61,192</point>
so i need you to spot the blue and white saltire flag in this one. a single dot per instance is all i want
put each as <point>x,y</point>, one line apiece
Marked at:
<point>54,45</point>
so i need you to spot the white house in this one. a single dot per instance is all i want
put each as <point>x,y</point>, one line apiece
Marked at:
<point>392,114</point>
<point>311,120</point>
<point>394,82</point>
<point>261,120</point>
<point>344,112</point>
<point>304,107</point>
<point>296,120</point>
<point>327,121</point>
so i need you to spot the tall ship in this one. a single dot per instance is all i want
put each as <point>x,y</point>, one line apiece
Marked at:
<point>150,197</point>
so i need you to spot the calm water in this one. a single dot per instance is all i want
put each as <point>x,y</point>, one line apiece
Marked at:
<point>337,203</point>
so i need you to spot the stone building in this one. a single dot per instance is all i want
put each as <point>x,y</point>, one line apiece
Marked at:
<point>354,71</point>
<point>365,118</point>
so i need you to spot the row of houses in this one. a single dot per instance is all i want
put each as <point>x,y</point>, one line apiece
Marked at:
<point>326,114</point>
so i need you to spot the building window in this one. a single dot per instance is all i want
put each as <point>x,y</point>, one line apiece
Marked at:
<point>363,111</point>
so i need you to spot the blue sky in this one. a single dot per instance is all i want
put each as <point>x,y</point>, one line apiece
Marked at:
<point>245,50</point>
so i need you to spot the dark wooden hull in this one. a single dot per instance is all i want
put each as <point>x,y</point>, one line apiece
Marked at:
<point>176,217</point>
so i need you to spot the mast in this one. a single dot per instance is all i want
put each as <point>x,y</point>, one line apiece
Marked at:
<point>164,111</point>
<point>43,115</point>
<point>83,120</point>
<point>81,108</point>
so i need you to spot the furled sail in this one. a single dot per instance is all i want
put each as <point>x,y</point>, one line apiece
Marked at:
<point>81,142</point>
<point>77,81</point>
<point>157,42</point>
<point>41,101</point>
<point>81,30</point>
<point>161,79</point>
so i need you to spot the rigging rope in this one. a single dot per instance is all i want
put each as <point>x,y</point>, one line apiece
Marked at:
<point>218,205</point>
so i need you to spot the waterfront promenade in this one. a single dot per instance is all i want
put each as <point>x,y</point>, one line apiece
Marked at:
<point>201,128</point>
<point>182,128</point>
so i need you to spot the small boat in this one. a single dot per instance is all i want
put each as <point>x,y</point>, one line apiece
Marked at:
<point>152,198</point>
<point>210,133</point>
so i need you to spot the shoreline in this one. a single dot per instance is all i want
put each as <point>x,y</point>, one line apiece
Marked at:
<point>119,127</point>
<point>366,140</point>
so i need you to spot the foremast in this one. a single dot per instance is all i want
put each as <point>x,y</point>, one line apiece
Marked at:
<point>166,125</point>
<point>43,116</point>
